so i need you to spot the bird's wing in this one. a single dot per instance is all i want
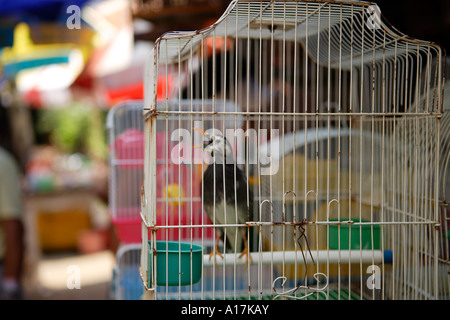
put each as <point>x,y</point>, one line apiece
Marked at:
<point>227,213</point>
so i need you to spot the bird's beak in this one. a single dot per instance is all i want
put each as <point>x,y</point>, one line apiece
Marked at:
<point>203,132</point>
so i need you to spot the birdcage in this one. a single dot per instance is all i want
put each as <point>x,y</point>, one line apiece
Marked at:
<point>125,125</point>
<point>126,283</point>
<point>329,176</point>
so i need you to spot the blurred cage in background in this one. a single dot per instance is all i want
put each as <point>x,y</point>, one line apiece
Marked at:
<point>339,127</point>
<point>126,283</point>
<point>125,125</point>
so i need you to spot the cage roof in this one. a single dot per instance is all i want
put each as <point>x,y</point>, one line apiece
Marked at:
<point>336,33</point>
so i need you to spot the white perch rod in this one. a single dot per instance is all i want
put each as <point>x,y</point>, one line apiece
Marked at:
<point>289,257</point>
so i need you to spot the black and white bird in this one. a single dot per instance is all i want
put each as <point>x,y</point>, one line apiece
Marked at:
<point>225,195</point>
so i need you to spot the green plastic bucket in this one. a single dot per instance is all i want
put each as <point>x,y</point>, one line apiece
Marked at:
<point>170,255</point>
<point>346,231</point>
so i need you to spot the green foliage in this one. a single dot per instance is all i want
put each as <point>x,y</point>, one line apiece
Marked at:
<point>78,127</point>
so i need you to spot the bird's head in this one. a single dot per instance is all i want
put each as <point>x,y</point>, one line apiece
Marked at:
<point>217,147</point>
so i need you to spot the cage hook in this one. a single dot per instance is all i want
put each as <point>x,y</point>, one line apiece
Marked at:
<point>284,202</point>
<point>310,191</point>
<point>260,208</point>
<point>290,293</point>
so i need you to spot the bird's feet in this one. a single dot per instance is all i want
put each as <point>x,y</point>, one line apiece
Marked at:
<point>214,254</point>
<point>247,256</point>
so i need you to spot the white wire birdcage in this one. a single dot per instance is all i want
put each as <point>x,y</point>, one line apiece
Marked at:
<point>333,119</point>
<point>125,125</point>
<point>127,283</point>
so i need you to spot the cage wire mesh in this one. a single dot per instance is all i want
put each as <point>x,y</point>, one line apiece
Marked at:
<point>125,125</point>
<point>333,166</point>
<point>444,196</point>
<point>127,283</point>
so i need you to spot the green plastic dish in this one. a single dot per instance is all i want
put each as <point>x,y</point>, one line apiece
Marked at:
<point>170,255</point>
<point>357,242</point>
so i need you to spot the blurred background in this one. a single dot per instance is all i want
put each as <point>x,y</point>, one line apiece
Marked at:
<point>63,65</point>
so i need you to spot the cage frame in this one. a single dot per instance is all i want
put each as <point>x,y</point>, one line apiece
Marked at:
<point>151,110</point>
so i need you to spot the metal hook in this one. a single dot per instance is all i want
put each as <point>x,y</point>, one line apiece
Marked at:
<point>307,193</point>
<point>260,208</point>
<point>288,293</point>
<point>329,204</point>
<point>284,203</point>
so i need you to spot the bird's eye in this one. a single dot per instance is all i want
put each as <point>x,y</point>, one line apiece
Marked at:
<point>208,142</point>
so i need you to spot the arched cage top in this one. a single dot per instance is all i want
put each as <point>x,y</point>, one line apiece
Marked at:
<point>322,56</point>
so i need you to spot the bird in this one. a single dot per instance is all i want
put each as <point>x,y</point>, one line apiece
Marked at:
<point>225,197</point>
